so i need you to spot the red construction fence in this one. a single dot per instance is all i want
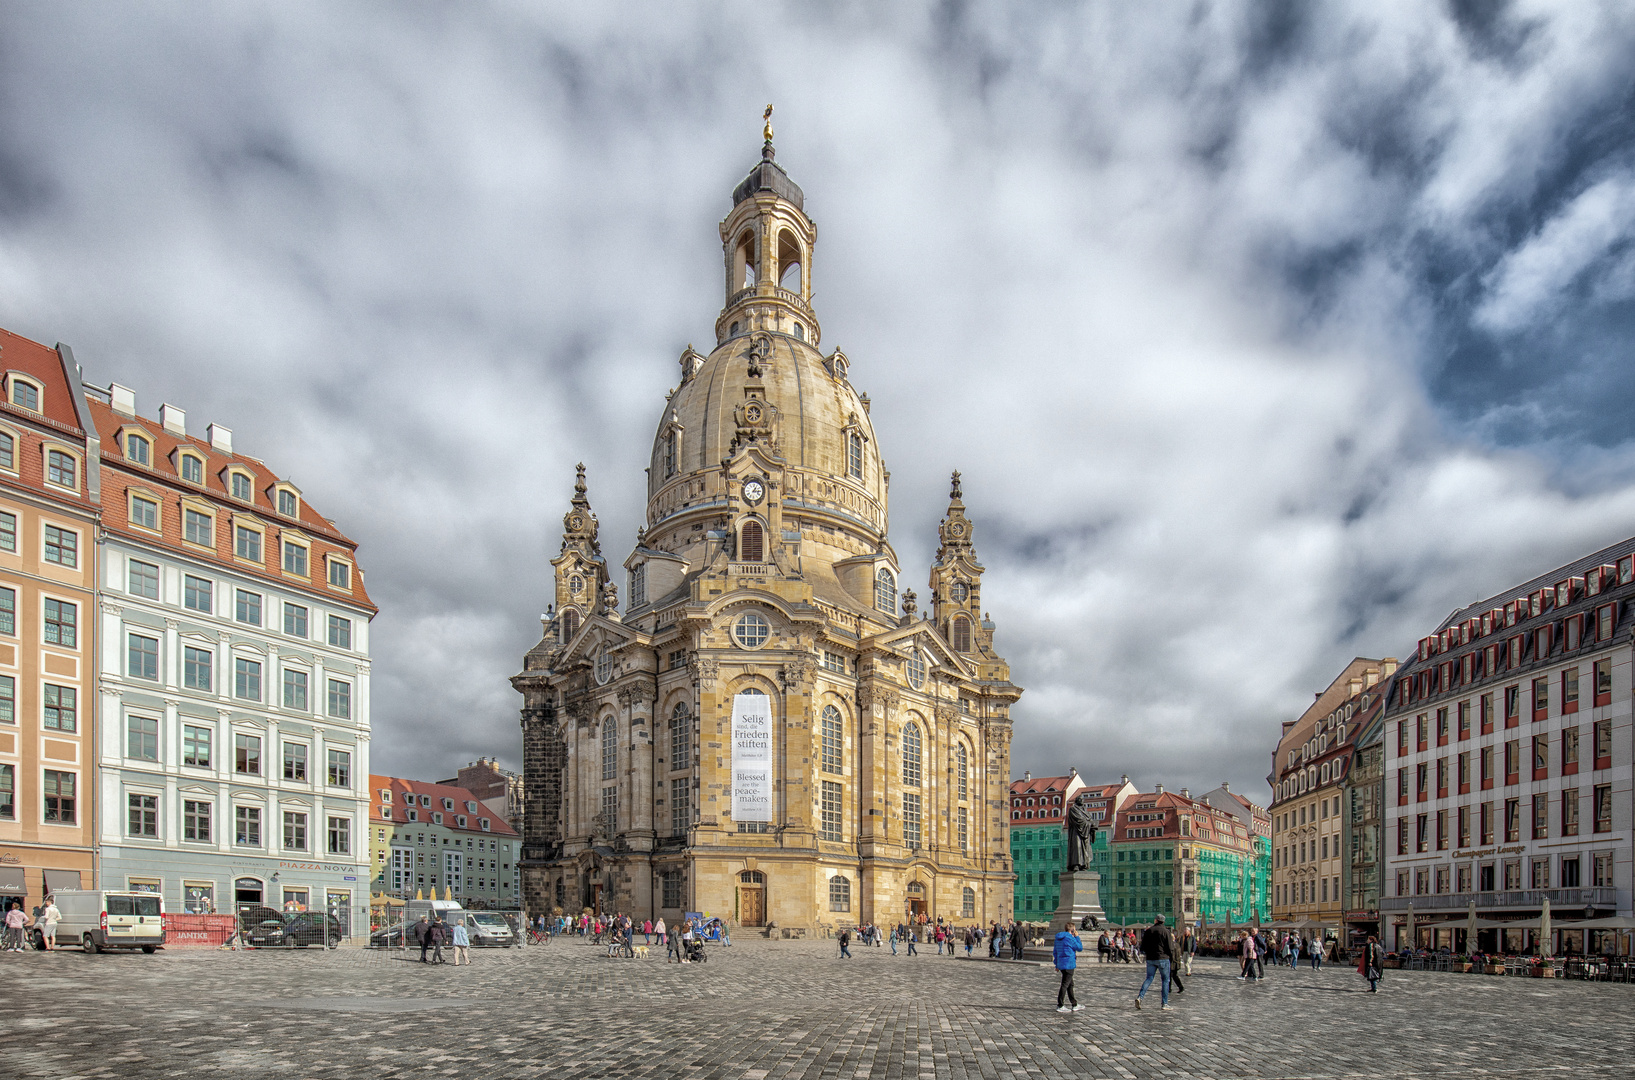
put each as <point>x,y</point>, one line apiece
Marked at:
<point>203,930</point>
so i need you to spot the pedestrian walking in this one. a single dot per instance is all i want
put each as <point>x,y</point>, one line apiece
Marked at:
<point>462,944</point>
<point>1373,961</point>
<point>1246,950</point>
<point>50,916</point>
<point>1066,955</point>
<point>15,921</point>
<point>1317,954</point>
<point>1189,949</point>
<point>913,936</point>
<point>439,938</point>
<point>422,937</point>
<point>845,944</point>
<point>1159,948</point>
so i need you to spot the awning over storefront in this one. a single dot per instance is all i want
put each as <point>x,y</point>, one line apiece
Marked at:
<point>11,881</point>
<point>61,879</point>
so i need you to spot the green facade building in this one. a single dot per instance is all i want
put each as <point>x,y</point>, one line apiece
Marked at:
<point>1038,837</point>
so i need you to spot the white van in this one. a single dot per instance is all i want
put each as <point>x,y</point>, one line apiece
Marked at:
<point>100,919</point>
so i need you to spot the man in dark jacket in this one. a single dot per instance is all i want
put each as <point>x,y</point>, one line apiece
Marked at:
<point>1159,948</point>
<point>422,937</point>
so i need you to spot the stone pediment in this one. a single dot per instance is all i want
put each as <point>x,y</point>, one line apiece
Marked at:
<point>595,631</point>
<point>925,635</point>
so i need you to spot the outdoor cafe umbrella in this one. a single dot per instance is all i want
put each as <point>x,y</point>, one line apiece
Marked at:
<point>1470,928</point>
<point>1408,931</point>
<point>1544,929</point>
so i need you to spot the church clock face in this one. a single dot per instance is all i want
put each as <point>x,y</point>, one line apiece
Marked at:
<point>576,523</point>
<point>754,492</point>
<point>957,529</point>
<point>753,414</point>
<point>958,592</point>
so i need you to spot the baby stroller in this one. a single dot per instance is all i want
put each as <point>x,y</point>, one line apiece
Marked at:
<point>695,951</point>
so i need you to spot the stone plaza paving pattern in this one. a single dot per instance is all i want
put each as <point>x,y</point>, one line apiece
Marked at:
<point>765,1010</point>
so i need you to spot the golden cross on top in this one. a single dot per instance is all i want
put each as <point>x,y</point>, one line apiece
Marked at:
<point>767,116</point>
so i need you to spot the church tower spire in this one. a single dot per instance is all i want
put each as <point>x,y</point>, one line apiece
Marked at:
<point>956,580</point>
<point>581,572</point>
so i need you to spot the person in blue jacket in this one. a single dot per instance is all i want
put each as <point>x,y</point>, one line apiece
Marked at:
<point>1066,954</point>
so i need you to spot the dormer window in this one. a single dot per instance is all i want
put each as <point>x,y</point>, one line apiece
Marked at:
<point>340,573</point>
<point>295,558</point>
<point>484,823</point>
<point>138,449</point>
<point>471,807</point>
<point>289,504</point>
<point>885,592</point>
<point>243,488</point>
<point>25,394</point>
<point>191,467</point>
<point>448,804</point>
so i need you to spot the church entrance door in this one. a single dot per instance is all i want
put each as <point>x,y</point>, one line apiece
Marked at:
<point>751,898</point>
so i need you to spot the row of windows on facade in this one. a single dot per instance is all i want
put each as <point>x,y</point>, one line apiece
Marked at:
<point>1314,891</point>
<point>58,795</point>
<point>1506,875</point>
<point>1461,714</point>
<point>1489,820</point>
<point>1422,775</point>
<point>1321,810</point>
<point>1576,632</point>
<point>142,822</point>
<point>198,752</point>
<point>1590,584</point>
<point>199,529</point>
<point>198,673</point>
<point>199,594</point>
<point>472,843</point>
<point>239,482</point>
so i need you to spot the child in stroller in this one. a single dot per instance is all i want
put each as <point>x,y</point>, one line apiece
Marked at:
<point>695,950</point>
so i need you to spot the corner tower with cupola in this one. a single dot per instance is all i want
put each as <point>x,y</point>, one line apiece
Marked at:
<point>764,568</point>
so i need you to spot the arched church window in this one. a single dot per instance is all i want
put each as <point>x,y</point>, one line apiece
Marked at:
<point>968,903</point>
<point>788,261</point>
<point>834,740</point>
<point>962,767</point>
<point>610,749</point>
<point>569,624</point>
<point>638,585</point>
<point>751,631</point>
<point>752,877</point>
<point>840,893</point>
<point>751,542</point>
<point>962,634</point>
<point>854,455</point>
<point>913,752</point>
<point>604,665</point>
<point>746,260</point>
<point>681,737</point>
<point>800,332</point>
<point>885,592</point>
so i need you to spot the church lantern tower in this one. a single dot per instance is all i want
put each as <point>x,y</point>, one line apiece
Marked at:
<point>763,572</point>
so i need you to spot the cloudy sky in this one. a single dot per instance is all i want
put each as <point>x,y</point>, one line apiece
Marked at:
<point>1263,334</point>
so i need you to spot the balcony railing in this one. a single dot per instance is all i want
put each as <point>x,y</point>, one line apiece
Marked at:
<point>1564,902</point>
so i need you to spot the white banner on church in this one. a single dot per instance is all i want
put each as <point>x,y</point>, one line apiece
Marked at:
<point>751,757</point>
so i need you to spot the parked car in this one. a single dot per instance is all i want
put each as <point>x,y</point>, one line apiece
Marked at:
<point>391,936</point>
<point>490,929</point>
<point>302,929</point>
<point>99,919</point>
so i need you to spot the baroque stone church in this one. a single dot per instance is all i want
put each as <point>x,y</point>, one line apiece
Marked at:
<point>763,590</point>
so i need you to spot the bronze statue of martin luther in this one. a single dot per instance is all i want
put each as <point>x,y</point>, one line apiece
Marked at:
<point>1081,834</point>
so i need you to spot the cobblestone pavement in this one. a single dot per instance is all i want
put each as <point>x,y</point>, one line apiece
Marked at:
<point>766,1010</point>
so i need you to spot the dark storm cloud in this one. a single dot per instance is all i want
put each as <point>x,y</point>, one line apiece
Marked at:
<point>1264,334</point>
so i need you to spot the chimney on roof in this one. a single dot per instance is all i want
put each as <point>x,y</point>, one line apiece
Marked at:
<point>1072,770</point>
<point>1159,790</point>
<point>1389,666</point>
<point>1186,794</point>
<point>1226,787</point>
<point>1027,776</point>
<point>1318,696</point>
<point>220,438</point>
<point>173,420</point>
<point>123,399</point>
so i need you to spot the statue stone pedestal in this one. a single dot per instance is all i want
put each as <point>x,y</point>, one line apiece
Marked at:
<point>1081,896</point>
